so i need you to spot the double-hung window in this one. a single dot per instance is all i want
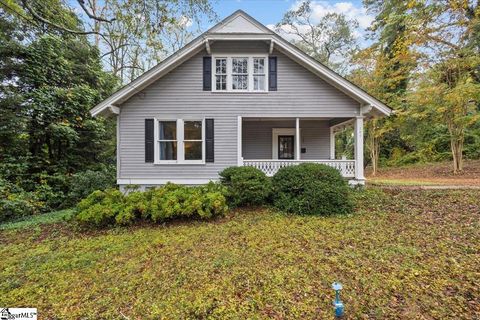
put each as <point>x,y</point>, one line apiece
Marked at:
<point>259,74</point>
<point>180,141</point>
<point>193,140</point>
<point>221,74</point>
<point>167,140</point>
<point>240,73</point>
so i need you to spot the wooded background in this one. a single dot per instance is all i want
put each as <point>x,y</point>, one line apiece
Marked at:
<point>59,58</point>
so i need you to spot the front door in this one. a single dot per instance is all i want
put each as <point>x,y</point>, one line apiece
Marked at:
<point>286,147</point>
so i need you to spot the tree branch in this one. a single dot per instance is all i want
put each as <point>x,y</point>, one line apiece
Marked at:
<point>36,16</point>
<point>114,49</point>
<point>91,15</point>
<point>442,41</point>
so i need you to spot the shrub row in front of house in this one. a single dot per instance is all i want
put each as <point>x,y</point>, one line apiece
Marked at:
<point>109,207</point>
<point>307,188</point>
<point>304,189</point>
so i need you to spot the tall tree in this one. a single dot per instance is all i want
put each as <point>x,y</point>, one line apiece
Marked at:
<point>131,35</point>
<point>11,56</point>
<point>392,60</point>
<point>49,82</point>
<point>449,31</point>
<point>61,80</point>
<point>329,39</point>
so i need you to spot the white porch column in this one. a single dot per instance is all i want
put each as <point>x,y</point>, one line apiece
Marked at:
<point>332,144</point>
<point>297,138</point>
<point>359,149</point>
<point>239,142</point>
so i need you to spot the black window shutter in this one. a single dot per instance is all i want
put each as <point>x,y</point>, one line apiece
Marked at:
<point>207,73</point>
<point>149,140</point>
<point>209,141</point>
<point>272,73</point>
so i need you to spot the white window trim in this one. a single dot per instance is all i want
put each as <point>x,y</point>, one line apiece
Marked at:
<point>180,142</point>
<point>229,58</point>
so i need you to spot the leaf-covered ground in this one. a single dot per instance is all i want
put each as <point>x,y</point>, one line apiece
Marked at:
<point>403,254</point>
<point>428,174</point>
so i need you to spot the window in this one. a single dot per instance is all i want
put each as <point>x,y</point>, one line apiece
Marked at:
<point>193,140</point>
<point>258,74</point>
<point>180,141</point>
<point>240,74</point>
<point>167,140</point>
<point>221,74</point>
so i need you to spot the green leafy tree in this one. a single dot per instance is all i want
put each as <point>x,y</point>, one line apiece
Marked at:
<point>449,94</point>
<point>62,79</point>
<point>49,83</point>
<point>448,90</point>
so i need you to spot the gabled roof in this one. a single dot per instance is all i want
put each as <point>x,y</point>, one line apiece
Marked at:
<point>239,26</point>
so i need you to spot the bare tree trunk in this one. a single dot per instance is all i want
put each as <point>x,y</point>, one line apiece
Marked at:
<point>373,145</point>
<point>96,25</point>
<point>457,154</point>
<point>457,137</point>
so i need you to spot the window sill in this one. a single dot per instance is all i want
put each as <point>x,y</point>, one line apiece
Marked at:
<point>162,163</point>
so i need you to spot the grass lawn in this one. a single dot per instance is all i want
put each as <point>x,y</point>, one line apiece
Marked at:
<point>36,221</point>
<point>403,254</point>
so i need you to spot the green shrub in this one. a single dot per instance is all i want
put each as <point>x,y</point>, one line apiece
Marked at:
<point>174,201</point>
<point>100,208</point>
<point>17,203</point>
<point>108,207</point>
<point>311,188</point>
<point>85,182</point>
<point>246,186</point>
<point>135,206</point>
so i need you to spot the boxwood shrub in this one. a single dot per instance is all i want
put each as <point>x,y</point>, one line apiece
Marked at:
<point>311,188</point>
<point>246,186</point>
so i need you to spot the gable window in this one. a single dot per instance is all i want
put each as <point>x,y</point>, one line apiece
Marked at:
<point>240,73</point>
<point>180,141</point>
<point>259,74</point>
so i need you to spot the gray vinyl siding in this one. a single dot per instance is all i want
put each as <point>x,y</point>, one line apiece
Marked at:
<point>179,94</point>
<point>315,138</point>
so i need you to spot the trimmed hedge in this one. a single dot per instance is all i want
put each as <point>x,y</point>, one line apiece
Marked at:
<point>246,186</point>
<point>311,188</point>
<point>102,208</point>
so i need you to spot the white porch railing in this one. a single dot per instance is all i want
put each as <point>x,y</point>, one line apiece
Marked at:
<point>270,167</point>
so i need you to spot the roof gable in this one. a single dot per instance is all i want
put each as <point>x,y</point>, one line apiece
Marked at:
<point>239,25</point>
<point>238,22</point>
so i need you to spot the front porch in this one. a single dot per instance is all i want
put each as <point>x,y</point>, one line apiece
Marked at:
<point>270,143</point>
